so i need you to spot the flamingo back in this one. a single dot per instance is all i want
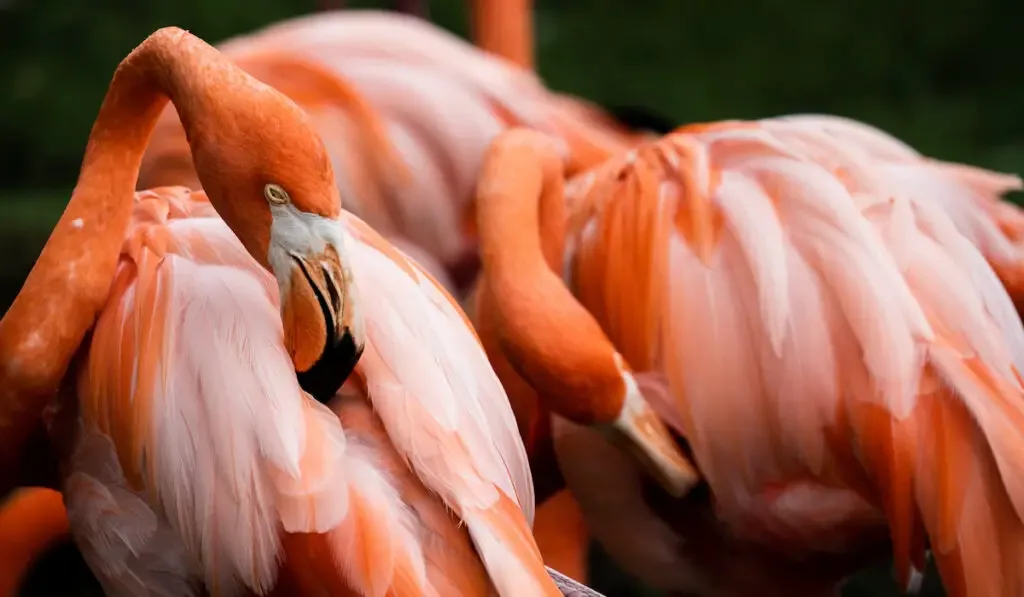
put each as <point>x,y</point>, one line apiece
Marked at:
<point>971,196</point>
<point>826,347</point>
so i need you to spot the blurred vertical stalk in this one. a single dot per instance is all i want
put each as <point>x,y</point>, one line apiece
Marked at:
<point>504,28</point>
<point>323,5</point>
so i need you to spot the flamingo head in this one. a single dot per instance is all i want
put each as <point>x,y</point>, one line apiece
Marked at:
<point>269,176</point>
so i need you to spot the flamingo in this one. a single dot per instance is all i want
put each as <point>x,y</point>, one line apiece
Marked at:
<point>969,195</point>
<point>406,110</point>
<point>196,342</point>
<point>837,358</point>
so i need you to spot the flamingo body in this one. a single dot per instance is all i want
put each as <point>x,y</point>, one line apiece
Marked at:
<point>841,361</point>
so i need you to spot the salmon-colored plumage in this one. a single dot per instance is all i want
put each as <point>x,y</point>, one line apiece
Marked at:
<point>841,360</point>
<point>970,196</point>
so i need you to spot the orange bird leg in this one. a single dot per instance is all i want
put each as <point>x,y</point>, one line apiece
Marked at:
<point>548,337</point>
<point>505,28</point>
<point>32,520</point>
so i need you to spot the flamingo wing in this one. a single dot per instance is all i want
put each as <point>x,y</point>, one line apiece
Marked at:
<point>444,409</point>
<point>851,345</point>
<point>196,448</point>
<point>195,445</point>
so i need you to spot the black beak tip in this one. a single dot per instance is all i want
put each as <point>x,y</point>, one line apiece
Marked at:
<point>326,376</point>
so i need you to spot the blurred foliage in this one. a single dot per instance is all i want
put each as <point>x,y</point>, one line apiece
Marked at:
<point>933,76</point>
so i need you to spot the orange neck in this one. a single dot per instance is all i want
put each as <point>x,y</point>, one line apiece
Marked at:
<point>505,28</point>
<point>548,337</point>
<point>521,226</point>
<point>69,283</point>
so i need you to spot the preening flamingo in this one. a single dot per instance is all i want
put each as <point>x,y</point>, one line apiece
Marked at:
<point>841,361</point>
<point>406,110</point>
<point>194,455</point>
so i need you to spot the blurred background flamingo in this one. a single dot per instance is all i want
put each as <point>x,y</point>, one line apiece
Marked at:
<point>406,110</point>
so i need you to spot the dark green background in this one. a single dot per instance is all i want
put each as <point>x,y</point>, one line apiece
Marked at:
<point>942,76</point>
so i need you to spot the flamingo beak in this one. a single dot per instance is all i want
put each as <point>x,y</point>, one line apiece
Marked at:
<point>323,330</point>
<point>640,431</point>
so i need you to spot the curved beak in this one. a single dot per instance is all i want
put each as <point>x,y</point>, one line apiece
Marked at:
<point>641,431</point>
<point>322,325</point>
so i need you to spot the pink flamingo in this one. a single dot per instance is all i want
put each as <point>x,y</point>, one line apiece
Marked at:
<point>171,328</point>
<point>841,361</point>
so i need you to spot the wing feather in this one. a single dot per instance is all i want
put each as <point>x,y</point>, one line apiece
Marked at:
<point>187,375</point>
<point>445,410</point>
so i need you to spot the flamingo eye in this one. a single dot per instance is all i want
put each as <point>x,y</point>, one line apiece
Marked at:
<point>276,194</point>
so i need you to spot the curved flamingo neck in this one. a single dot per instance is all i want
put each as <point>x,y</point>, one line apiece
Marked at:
<point>522,229</point>
<point>68,285</point>
<point>548,337</point>
<point>505,28</point>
